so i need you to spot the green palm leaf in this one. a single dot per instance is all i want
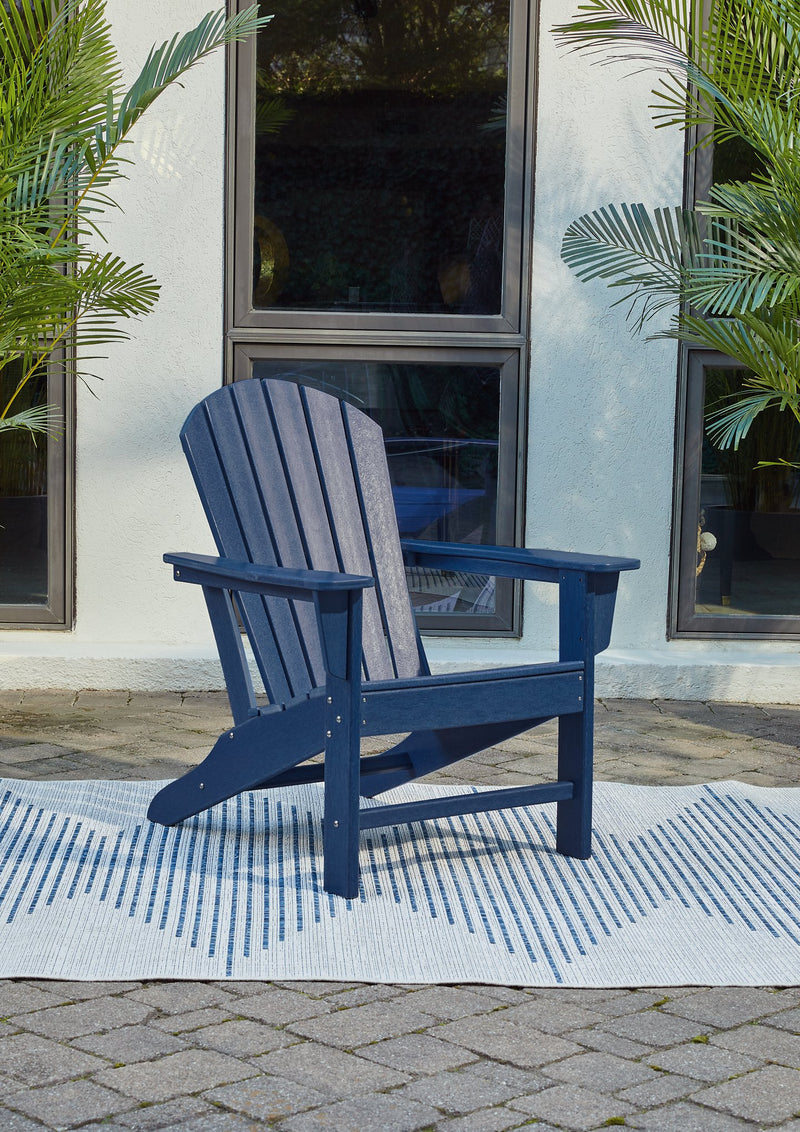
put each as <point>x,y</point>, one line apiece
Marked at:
<point>40,419</point>
<point>732,67</point>
<point>63,122</point>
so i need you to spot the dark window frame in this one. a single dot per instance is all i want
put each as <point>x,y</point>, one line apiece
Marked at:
<point>433,338</point>
<point>241,156</point>
<point>57,612</point>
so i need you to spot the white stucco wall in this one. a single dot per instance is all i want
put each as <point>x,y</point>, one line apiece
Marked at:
<point>602,403</point>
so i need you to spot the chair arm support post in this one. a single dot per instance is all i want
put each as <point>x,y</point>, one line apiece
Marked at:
<point>339,617</point>
<point>577,641</point>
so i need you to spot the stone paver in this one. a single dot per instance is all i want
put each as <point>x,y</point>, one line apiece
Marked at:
<point>191,1071</point>
<point>763,1042</point>
<point>91,1017</point>
<point>378,1113</point>
<point>705,1062</point>
<point>331,1071</point>
<point>573,1107</point>
<point>297,1056</point>
<point>35,1060</point>
<point>362,1024</point>
<point>766,1095</point>
<point>70,1104</point>
<point>267,1098</point>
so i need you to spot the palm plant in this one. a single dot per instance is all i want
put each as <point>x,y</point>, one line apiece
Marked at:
<point>65,120</point>
<point>730,266</point>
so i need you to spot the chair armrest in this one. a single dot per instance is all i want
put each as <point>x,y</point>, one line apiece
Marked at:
<point>250,577</point>
<point>510,561</point>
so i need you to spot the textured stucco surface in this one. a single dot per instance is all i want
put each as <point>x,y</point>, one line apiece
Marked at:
<point>601,407</point>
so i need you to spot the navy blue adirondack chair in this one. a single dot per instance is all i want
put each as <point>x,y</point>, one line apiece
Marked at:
<point>295,486</point>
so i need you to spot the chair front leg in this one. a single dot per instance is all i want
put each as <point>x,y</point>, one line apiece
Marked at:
<point>576,731</point>
<point>340,623</point>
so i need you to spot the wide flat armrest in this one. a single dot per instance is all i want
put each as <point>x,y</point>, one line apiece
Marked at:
<point>510,561</point>
<point>278,581</point>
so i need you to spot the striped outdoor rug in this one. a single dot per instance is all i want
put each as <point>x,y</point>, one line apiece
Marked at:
<point>697,884</point>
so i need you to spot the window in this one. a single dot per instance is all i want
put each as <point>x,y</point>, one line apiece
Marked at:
<point>34,580</point>
<point>737,534</point>
<point>379,189</point>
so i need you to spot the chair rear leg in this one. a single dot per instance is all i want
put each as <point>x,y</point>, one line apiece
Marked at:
<point>575,764</point>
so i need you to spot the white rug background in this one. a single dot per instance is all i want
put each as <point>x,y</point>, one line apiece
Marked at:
<point>686,885</point>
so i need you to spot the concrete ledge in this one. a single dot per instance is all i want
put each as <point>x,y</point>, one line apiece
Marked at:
<point>748,675</point>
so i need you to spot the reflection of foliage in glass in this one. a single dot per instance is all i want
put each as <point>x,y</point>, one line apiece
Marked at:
<point>388,165</point>
<point>734,159</point>
<point>750,487</point>
<point>436,46</point>
<point>23,455</point>
<point>272,113</point>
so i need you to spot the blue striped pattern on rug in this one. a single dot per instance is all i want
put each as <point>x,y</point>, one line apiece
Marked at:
<point>690,884</point>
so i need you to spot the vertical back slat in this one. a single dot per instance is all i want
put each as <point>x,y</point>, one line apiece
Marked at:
<point>234,419</point>
<point>212,485</point>
<point>375,496</point>
<point>290,548</point>
<point>337,482</point>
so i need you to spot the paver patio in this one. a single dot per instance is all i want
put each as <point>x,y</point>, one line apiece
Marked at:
<point>299,1056</point>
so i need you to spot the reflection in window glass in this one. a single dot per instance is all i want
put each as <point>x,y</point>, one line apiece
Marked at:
<point>441,426</point>
<point>23,500</point>
<point>748,561</point>
<point>380,156</point>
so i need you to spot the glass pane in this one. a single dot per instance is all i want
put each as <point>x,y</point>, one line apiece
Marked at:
<point>750,515</point>
<point>380,156</point>
<point>441,424</point>
<point>23,500</point>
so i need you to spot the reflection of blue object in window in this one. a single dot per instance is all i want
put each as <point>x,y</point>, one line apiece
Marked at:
<point>443,487</point>
<point>419,507</point>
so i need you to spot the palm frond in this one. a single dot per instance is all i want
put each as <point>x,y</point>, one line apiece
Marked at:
<point>770,352</point>
<point>63,121</point>
<point>39,419</point>
<point>724,73</point>
<point>164,66</point>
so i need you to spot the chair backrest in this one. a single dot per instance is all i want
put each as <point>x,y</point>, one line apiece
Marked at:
<point>291,476</point>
